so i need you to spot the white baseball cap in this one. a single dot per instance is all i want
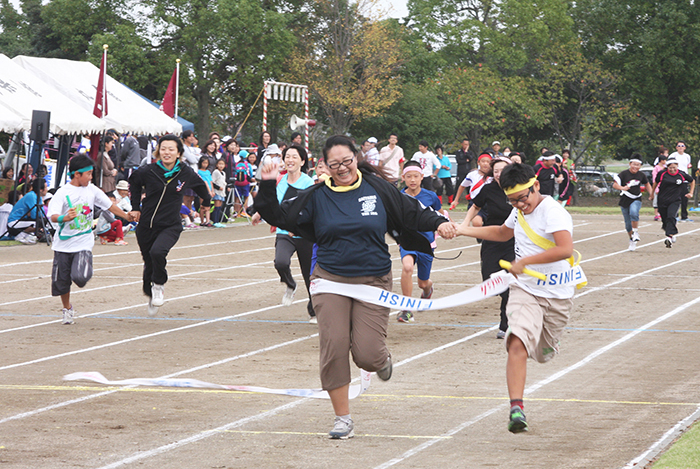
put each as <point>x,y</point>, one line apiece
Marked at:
<point>372,140</point>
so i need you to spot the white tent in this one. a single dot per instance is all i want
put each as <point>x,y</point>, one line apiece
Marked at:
<point>21,92</point>
<point>127,112</point>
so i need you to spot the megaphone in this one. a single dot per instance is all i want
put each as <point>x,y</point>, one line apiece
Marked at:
<point>297,122</point>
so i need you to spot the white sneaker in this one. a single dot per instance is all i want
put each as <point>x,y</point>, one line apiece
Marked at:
<point>157,295</point>
<point>152,310</point>
<point>673,238</point>
<point>68,315</point>
<point>635,236</point>
<point>669,242</point>
<point>313,320</point>
<point>342,430</point>
<point>632,246</point>
<point>288,297</point>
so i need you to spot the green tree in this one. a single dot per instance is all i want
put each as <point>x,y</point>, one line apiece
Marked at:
<point>350,65</point>
<point>584,101</point>
<point>14,39</point>
<point>227,47</point>
<point>506,35</point>
<point>487,106</point>
<point>650,45</point>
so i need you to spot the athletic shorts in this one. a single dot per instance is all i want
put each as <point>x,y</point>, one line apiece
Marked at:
<point>539,322</point>
<point>424,262</point>
<point>70,267</point>
<point>219,197</point>
<point>243,191</point>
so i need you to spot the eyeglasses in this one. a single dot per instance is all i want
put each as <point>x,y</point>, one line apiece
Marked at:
<point>522,199</point>
<point>346,162</point>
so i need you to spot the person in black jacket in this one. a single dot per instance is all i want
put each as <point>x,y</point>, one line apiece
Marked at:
<point>348,217</point>
<point>464,157</point>
<point>158,214</point>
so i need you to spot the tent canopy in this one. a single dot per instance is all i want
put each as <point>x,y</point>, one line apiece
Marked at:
<point>127,112</point>
<point>21,92</point>
<point>186,125</point>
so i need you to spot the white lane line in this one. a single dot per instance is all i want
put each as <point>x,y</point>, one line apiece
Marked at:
<point>539,384</point>
<point>451,432</point>
<point>88,290</point>
<point>121,253</point>
<point>638,247</point>
<point>630,277</point>
<point>139,264</point>
<point>146,336</point>
<point>172,375</point>
<point>203,435</point>
<point>212,432</point>
<point>143,305</point>
<point>669,437</point>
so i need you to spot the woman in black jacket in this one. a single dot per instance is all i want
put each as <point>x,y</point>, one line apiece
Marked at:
<point>348,217</point>
<point>158,214</point>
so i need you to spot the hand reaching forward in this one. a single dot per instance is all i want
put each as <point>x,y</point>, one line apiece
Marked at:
<point>447,230</point>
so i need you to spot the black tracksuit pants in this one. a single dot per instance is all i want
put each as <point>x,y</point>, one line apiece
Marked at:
<point>155,244</point>
<point>491,253</point>
<point>285,246</point>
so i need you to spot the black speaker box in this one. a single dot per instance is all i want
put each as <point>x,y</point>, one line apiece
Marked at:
<point>40,126</point>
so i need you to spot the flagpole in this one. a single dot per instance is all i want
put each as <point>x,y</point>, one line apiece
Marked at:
<point>177,85</point>
<point>104,103</point>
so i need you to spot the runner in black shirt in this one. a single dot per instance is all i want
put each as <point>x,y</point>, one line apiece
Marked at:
<point>494,201</point>
<point>630,183</point>
<point>547,174</point>
<point>671,183</point>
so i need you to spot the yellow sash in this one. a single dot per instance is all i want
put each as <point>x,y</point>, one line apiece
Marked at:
<point>546,244</point>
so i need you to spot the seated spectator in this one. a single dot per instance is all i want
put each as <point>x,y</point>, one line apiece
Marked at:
<point>22,219</point>
<point>8,173</point>
<point>121,195</point>
<point>187,215</point>
<point>115,233</point>
<point>5,210</point>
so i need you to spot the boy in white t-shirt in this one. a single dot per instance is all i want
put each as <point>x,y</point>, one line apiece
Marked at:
<point>537,310</point>
<point>72,207</point>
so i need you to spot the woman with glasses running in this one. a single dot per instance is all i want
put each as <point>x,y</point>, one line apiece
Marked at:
<point>348,217</point>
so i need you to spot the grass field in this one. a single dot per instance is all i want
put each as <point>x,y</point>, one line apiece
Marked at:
<point>685,453</point>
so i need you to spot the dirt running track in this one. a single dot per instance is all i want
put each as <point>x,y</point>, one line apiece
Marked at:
<point>627,372</point>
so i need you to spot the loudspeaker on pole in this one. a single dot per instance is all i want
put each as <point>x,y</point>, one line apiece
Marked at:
<point>40,126</point>
<point>297,122</point>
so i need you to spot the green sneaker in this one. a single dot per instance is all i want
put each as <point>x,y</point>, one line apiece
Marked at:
<point>405,316</point>
<point>517,422</point>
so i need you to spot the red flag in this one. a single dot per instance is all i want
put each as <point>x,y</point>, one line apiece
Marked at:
<point>100,109</point>
<point>168,105</point>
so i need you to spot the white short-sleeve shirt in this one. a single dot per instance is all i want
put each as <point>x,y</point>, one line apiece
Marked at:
<point>76,235</point>
<point>547,218</point>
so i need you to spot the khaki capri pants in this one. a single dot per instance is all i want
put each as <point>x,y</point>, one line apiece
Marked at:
<point>537,321</point>
<point>348,325</point>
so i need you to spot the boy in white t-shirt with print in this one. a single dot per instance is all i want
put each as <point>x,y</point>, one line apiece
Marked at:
<point>537,310</point>
<point>72,207</point>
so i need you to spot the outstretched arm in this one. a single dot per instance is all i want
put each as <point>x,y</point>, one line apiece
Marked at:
<point>491,233</point>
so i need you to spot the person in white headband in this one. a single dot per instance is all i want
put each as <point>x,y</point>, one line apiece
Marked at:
<point>630,182</point>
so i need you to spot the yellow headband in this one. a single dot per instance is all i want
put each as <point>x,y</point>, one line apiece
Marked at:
<point>520,187</point>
